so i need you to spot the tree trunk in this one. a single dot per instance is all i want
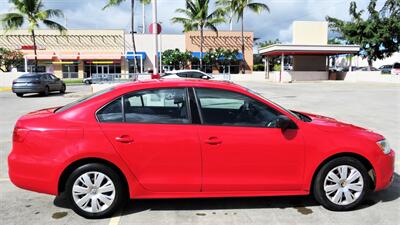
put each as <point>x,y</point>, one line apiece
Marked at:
<point>143,18</point>
<point>243,64</point>
<point>369,64</point>
<point>231,21</point>
<point>34,50</point>
<point>133,35</point>
<point>201,47</point>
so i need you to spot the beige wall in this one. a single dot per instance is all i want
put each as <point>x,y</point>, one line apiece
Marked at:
<point>224,39</point>
<point>309,63</point>
<point>310,32</point>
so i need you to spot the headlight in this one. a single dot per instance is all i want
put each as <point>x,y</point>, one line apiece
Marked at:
<point>384,145</point>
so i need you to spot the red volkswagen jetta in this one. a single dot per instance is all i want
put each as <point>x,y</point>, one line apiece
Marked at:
<point>192,138</point>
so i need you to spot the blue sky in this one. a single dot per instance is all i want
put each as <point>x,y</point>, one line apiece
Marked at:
<point>88,14</point>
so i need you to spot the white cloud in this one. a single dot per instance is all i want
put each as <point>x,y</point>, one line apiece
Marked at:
<point>277,24</point>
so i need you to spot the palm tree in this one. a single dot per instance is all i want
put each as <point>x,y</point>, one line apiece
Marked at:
<point>144,3</point>
<point>117,3</point>
<point>33,13</point>
<point>238,7</point>
<point>197,17</point>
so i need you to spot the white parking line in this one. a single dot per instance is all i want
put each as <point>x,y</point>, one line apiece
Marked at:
<point>115,219</point>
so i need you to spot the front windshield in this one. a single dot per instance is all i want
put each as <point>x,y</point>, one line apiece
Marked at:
<point>277,105</point>
<point>79,101</point>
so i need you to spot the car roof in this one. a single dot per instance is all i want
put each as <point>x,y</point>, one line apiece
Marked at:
<point>183,71</point>
<point>180,82</point>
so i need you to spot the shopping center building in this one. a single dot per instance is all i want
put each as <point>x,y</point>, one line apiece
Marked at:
<point>84,53</point>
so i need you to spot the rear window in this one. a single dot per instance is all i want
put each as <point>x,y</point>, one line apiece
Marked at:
<point>82,100</point>
<point>33,76</point>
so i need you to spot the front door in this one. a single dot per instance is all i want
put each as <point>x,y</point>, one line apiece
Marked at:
<point>102,71</point>
<point>242,150</point>
<point>155,137</point>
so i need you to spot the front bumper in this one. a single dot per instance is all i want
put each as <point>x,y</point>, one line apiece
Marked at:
<point>384,170</point>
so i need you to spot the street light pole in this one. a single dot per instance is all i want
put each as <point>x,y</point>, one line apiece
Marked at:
<point>155,74</point>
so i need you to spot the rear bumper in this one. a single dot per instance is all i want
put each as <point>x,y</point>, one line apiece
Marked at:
<point>384,170</point>
<point>29,174</point>
<point>24,90</point>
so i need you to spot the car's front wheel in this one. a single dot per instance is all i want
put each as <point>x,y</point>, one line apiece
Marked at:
<point>95,191</point>
<point>341,184</point>
<point>63,88</point>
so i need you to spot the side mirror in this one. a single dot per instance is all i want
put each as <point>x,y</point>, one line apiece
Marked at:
<point>284,123</point>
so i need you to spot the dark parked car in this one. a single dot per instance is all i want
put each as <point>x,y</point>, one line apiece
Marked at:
<point>42,83</point>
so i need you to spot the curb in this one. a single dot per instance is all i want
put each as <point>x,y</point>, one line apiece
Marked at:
<point>5,89</point>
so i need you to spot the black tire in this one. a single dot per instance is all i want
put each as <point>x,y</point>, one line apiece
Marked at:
<point>63,88</point>
<point>87,82</point>
<point>120,190</point>
<point>20,95</point>
<point>318,188</point>
<point>46,91</point>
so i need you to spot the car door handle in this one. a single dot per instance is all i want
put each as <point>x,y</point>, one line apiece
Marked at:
<point>124,139</point>
<point>213,141</point>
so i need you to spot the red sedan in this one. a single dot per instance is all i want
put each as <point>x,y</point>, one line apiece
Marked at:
<point>189,139</point>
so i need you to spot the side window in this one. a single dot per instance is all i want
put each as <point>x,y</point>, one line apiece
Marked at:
<point>157,106</point>
<point>195,75</point>
<point>221,107</point>
<point>182,75</point>
<point>111,113</point>
<point>52,77</point>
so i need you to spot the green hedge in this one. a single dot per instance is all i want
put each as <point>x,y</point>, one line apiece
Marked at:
<point>73,81</point>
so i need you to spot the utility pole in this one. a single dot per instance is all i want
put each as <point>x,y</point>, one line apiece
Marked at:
<point>155,74</point>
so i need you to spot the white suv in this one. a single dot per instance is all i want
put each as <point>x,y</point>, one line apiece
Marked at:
<point>196,74</point>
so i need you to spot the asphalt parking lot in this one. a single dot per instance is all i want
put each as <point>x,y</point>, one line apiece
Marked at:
<point>375,106</point>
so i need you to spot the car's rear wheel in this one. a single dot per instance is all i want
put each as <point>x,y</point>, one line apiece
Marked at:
<point>87,82</point>
<point>95,191</point>
<point>20,94</point>
<point>63,88</point>
<point>341,184</point>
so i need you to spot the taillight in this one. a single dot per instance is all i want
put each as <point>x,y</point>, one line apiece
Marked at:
<point>19,134</point>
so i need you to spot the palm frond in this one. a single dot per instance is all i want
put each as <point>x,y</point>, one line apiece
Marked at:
<point>11,21</point>
<point>54,13</point>
<point>258,7</point>
<point>54,25</point>
<point>113,3</point>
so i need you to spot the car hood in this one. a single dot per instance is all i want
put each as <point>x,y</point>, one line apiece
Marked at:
<point>332,125</point>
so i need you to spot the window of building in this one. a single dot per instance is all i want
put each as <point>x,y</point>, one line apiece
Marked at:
<point>70,71</point>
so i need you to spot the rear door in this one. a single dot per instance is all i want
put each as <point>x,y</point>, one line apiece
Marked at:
<point>152,131</point>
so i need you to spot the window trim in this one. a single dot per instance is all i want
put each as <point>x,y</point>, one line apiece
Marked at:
<point>224,125</point>
<point>122,96</point>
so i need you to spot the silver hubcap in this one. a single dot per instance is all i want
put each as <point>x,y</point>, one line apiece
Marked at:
<point>343,185</point>
<point>93,192</point>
